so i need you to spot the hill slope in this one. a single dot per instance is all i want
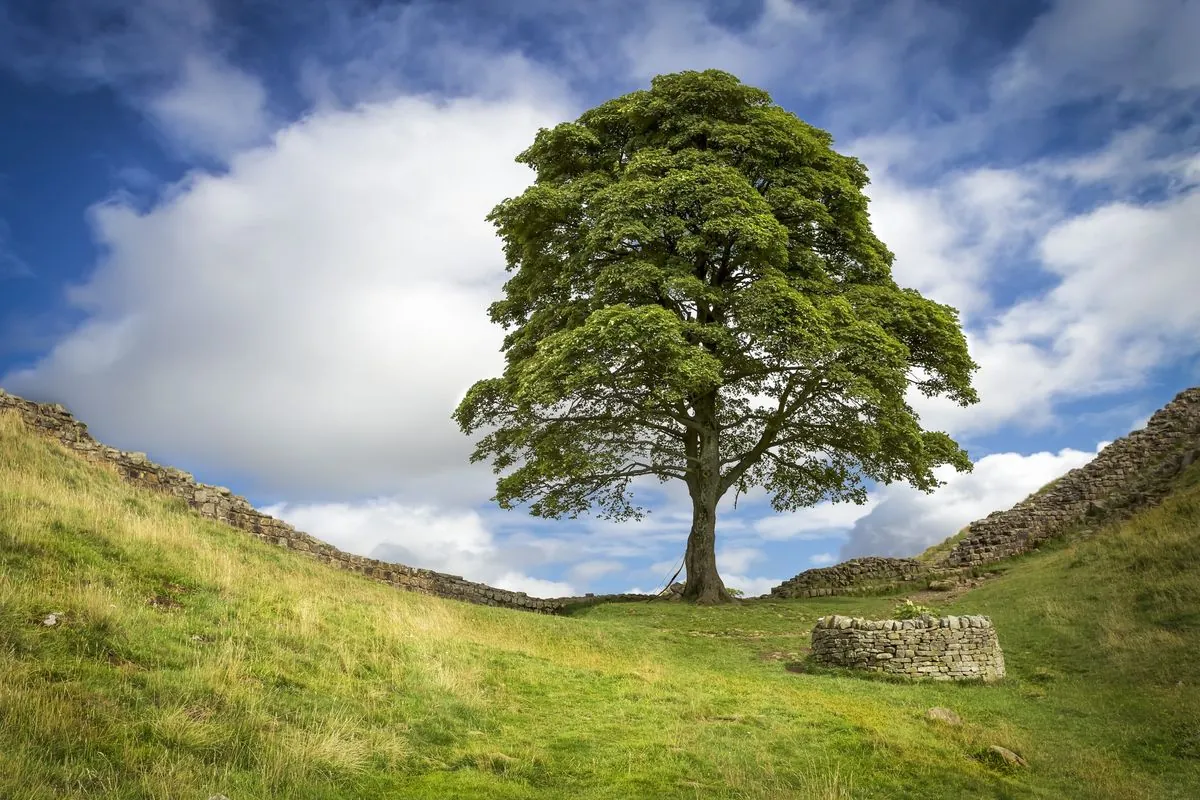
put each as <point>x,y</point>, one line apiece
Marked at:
<point>188,659</point>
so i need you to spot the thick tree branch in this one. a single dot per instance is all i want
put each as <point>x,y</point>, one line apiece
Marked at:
<point>786,408</point>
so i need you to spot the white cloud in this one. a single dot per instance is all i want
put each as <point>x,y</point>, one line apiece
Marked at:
<point>455,542</point>
<point>214,109</point>
<point>1082,47</point>
<point>1122,304</point>
<point>822,521</point>
<point>678,36</point>
<point>667,567</point>
<point>535,587</point>
<point>166,58</point>
<point>1145,151</point>
<point>361,528</point>
<point>751,587</point>
<point>906,521</point>
<point>586,571</point>
<point>375,53</point>
<point>311,317</point>
<point>737,559</point>
<point>102,42</point>
<point>949,233</point>
<point>842,55</point>
<point>822,559</point>
<point>931,251</point>
<point>734,563</point>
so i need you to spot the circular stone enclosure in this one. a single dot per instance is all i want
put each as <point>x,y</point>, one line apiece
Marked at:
<point>935,648</point>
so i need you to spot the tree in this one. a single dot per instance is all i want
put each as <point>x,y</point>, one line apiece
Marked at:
<point>698,296</point>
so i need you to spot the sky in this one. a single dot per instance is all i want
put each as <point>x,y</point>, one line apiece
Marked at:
<point>248,239</point>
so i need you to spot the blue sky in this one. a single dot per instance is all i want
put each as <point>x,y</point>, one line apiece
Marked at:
<point>248,239</point>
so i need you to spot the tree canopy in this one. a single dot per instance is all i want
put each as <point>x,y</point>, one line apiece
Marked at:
<point>697,295</point>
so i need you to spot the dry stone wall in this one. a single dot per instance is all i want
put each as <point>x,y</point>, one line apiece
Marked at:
<point>1131,473</point>
<point>856,576</point>
<point>220,504</point>
<point>940,649</point>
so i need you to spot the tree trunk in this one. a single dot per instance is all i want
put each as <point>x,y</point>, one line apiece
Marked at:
<point>704,584</point>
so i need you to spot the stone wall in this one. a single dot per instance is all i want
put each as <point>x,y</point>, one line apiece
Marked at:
<point>1131,473</point>
<point>856,576</point>
<point>940,649</point>
<point>220,504</point>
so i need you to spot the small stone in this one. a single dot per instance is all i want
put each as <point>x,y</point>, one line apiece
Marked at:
<point>1007,756</point>
<point>51,619</point>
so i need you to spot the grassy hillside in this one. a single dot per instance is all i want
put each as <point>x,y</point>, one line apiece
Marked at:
<point>189,659</point>
<point>935,553</point>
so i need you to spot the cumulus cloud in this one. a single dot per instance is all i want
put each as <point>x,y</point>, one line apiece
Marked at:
<point>734,564</point>
<point>1146,152</point>
<point>1121,305</point>
<point>311,317</point>
<point>454,542</point>
<point>822,559</point>
<point>932,255</point>
<point>101,42</point>
<point>1084,47</point>
<point>822,521</point>
<point>750,586</point>
<point>846,57</point>
<point>372,53</point>
<point>737,559</point>
<point>905,521</point>
<point>165,58</point>
<point>586,571</point>
<point>213,110</point>
<point>535,587</point>
<point>677,36</point>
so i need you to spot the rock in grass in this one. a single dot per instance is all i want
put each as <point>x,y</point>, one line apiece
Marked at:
<point>1005,757</point>
<point>944,716</point>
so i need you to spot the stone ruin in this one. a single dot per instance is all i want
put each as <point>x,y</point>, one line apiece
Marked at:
<point>940,649</point>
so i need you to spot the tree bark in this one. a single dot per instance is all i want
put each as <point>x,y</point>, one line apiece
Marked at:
<point>704,584</point>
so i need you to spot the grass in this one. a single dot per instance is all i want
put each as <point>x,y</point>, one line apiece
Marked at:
<point>190,659</point>
<point>935,553</point>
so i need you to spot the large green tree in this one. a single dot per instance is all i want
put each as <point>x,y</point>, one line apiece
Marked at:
<point>697,295</point>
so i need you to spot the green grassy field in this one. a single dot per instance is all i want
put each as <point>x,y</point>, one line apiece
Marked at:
<point>191,660</point>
